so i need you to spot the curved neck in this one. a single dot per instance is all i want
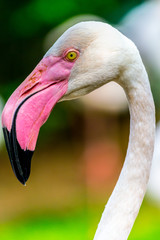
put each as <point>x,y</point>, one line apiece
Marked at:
<point>124,204</point>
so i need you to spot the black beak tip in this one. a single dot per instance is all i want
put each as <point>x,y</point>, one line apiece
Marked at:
<point>20,159</point>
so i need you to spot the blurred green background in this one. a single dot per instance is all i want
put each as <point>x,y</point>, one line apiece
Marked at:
<point>73,171</point>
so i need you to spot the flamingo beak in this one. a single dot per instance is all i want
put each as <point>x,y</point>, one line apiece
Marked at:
<point>29,107</point>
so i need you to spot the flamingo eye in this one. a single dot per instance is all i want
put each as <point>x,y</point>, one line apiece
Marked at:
<point>71,55</point>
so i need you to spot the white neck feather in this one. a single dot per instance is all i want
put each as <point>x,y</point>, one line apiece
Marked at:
<point>124,204</point>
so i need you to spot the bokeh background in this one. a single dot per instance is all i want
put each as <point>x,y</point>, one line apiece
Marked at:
<point>81,148</point>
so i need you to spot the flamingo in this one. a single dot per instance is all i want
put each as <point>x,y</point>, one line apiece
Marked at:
<point>85,57</point>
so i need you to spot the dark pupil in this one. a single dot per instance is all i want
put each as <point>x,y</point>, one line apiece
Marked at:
<point>71,55</point>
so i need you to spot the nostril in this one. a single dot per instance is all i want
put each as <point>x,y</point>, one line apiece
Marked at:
<point>27,89</point>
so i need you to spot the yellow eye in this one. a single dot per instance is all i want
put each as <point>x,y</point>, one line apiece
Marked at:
<point>71,55</point>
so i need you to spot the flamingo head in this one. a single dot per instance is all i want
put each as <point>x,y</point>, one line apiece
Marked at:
<point>82,59</point>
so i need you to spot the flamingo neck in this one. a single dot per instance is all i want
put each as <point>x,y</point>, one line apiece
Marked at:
<point>124,204</point>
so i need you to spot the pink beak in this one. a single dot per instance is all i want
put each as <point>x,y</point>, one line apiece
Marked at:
<point>29,107</point>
